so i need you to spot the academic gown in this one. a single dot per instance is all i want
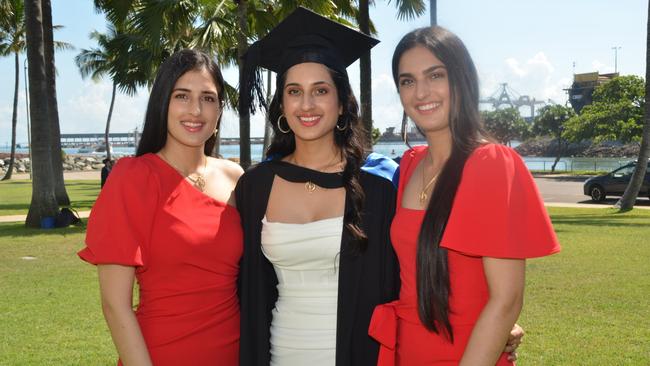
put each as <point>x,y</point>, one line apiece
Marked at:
<point>366,279</point>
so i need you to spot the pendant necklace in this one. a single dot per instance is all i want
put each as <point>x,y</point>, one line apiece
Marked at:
<point>310,186</point>
<point>197,179</point>
<point>423,195</point>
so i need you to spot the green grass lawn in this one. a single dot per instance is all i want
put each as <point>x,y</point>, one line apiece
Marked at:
<point>587,305</point>
<point>17,194</point>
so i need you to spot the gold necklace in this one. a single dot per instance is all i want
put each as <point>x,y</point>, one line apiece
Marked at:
<point>310,186</point>
<point>197,179</point>
<point>423,194</point>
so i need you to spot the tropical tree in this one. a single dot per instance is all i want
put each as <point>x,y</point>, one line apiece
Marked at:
<point>110,59</point>
<point>53,111</point>
<point>433,12</point>
<point>616,112</point>
<point>550,122</point>
<point>406,10</point>
<point>153,30</point>
<point>631,192</point>
<point>12,27</point>
<point>505,124</point>
<point>12,24</point>
<point>43,203</point>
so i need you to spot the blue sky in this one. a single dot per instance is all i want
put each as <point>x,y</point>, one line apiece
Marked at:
<point>532,45</point>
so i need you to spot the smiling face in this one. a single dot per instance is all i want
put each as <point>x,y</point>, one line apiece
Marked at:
<point>310,102</point>
<point>194,109</point>
<point>424,89</point>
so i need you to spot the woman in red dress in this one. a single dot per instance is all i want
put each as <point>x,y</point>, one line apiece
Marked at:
<point>166,218</point>
<point>468,215</point>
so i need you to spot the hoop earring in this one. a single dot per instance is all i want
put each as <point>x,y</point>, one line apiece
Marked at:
<point>280,126</point>
<point>345,126</point>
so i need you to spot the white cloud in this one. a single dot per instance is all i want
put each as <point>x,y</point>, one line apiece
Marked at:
<point>599,66</point>
<point>535,77</point>
<point>86,111</point>
<point>515,68</point>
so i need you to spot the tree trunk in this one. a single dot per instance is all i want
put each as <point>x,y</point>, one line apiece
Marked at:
<point>108,122</point>
<point>365,73</point>
<point>626,202</point>
<point>268,130</point>
<point>14,122</point>
<point>217,145</point>
<point>43,202</point>
<point>558,156</point>
<point>52,108</point>
<point>244,116</point>
<point>433,12</point>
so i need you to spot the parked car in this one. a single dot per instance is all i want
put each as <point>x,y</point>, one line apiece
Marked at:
<point>614,183</point>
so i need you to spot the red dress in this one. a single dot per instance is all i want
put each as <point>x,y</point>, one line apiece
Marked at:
<point>497,212</point>
<point>186,248</point>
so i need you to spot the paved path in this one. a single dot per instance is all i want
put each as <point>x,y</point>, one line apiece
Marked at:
<point>556,192</point>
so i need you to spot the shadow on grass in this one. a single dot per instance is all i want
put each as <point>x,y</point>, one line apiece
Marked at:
<point>613,218</point>
<point>22,208</point>
<point>13,229</point>
<point>21,182</point>
<point>14,206</point>
<point>640,201</point>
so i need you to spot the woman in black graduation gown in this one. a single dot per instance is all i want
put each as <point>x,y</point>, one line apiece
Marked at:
<point>316,177</point>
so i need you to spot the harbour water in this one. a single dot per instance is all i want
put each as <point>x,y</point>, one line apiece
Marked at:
<point>396,149</point>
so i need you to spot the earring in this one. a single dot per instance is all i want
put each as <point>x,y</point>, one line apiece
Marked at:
<point>345,126</point>
<point>216,132</point>
<point>280,126</point>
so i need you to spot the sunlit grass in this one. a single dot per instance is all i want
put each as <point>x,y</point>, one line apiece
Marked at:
<point>17,194</point>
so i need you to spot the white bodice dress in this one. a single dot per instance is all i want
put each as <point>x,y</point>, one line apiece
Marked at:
<point>306,261</point>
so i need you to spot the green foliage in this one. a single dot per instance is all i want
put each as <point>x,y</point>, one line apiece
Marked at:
<point>615,114</point>
<point>550,120</point>
<point>376,134</point>
<point>505,125</point>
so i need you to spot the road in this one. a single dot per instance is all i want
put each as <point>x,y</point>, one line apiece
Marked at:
<point>568,190</point>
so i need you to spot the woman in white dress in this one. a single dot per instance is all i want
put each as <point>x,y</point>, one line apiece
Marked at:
<point>317,255</point>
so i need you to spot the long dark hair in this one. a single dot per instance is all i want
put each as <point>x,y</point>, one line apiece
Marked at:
<point>433,287</point>
<point>350,142</point>
<point>154,133</point>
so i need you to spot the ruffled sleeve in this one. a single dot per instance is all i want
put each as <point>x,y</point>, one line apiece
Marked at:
<point>121,220</point>
<point>498,211</point>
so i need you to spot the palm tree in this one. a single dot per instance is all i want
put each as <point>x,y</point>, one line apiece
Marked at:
<point>244,114</point>
<point>12,14</point>
<point>106,60</point>
<point>43,203</point>
<point>53,110</point>
<point>433,12</point>
<point>406,10</point>
<point>626,202</point>
<point>151,31</point>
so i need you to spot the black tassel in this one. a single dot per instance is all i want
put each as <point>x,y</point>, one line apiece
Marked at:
<point>252,94</point>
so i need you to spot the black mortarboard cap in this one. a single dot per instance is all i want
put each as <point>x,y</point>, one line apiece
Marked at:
<point>303,36</point>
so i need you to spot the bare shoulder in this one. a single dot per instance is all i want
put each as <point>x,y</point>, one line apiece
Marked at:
<point>228,168</point>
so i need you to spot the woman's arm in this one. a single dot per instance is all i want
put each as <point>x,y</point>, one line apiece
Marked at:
<point>505,279</point>
<point>116,287</point>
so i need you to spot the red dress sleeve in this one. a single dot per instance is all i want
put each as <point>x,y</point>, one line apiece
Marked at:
<point>498,211</point>
<point>120,222</point>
